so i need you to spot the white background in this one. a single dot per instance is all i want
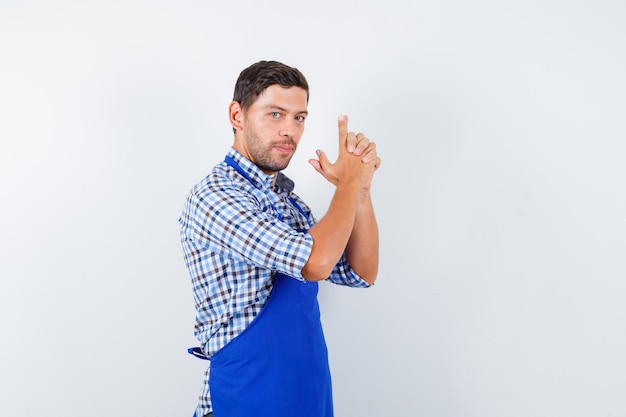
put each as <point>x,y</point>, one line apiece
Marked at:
<point>501,198</point>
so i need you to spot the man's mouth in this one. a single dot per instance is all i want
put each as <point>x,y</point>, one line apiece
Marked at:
<point>284,149</point>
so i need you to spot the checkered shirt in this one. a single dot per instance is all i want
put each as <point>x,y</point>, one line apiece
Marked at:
<point>233,243</point>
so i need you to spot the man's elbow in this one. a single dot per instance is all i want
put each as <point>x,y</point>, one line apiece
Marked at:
<point>370,279</point>
<point>368,276</point>
<point>317,271</point>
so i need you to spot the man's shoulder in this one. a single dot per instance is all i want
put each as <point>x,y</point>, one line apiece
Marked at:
<point>221,180</point>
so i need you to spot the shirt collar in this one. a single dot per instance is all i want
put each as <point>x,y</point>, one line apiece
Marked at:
<point>260,178</point>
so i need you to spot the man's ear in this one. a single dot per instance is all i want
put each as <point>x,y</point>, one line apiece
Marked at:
<point>235,114</point>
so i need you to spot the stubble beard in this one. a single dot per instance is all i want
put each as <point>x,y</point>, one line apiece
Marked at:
<point>261,153</point>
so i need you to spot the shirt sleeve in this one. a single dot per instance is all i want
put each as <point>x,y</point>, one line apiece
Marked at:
<point>343,274</point>
<point>240,224</point>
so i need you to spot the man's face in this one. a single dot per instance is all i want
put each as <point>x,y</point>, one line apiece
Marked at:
<point>272,127</point>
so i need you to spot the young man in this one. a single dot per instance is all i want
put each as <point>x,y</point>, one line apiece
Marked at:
<point>255,253</point>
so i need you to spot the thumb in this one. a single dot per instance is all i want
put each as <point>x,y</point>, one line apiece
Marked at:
<point>323,160</point>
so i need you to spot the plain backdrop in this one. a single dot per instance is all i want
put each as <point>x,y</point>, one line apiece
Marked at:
<point>501,198</point>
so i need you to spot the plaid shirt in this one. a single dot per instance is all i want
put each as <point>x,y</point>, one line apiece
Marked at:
<point>234,242</point>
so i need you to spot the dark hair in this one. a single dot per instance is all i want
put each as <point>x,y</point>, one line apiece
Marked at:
<point>255,79</point>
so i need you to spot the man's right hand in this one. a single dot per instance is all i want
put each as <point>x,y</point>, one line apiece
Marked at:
<point>356,162</point>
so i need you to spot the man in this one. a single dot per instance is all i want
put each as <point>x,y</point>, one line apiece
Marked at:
<point>255,253</point>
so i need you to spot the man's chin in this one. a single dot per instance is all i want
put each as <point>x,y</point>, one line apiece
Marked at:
<point>275,166</point>
<point>282,161</point>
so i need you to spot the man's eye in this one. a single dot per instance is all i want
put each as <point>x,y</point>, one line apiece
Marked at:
<point>300,118</point>
<point>275,114</point>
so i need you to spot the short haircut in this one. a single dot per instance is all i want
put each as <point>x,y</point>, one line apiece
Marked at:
<point>255,79</point>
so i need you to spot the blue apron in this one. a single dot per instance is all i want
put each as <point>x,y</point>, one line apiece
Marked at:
<point>278,366</point>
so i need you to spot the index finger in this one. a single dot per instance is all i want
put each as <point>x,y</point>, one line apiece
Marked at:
<point>342,123</point>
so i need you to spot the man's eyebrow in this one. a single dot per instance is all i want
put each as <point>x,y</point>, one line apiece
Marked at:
<point>275,107</point>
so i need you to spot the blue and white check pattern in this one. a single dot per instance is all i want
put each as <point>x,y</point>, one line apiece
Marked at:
<point>233,243</point>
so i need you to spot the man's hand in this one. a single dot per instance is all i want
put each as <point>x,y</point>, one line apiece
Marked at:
<point>356,162</point>
<point>349,226</point>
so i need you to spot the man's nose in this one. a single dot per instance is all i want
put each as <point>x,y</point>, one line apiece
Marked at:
<point>288,127</point>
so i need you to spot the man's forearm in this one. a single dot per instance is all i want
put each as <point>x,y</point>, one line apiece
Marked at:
<point>332,232</point>
<point>363,244</point>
